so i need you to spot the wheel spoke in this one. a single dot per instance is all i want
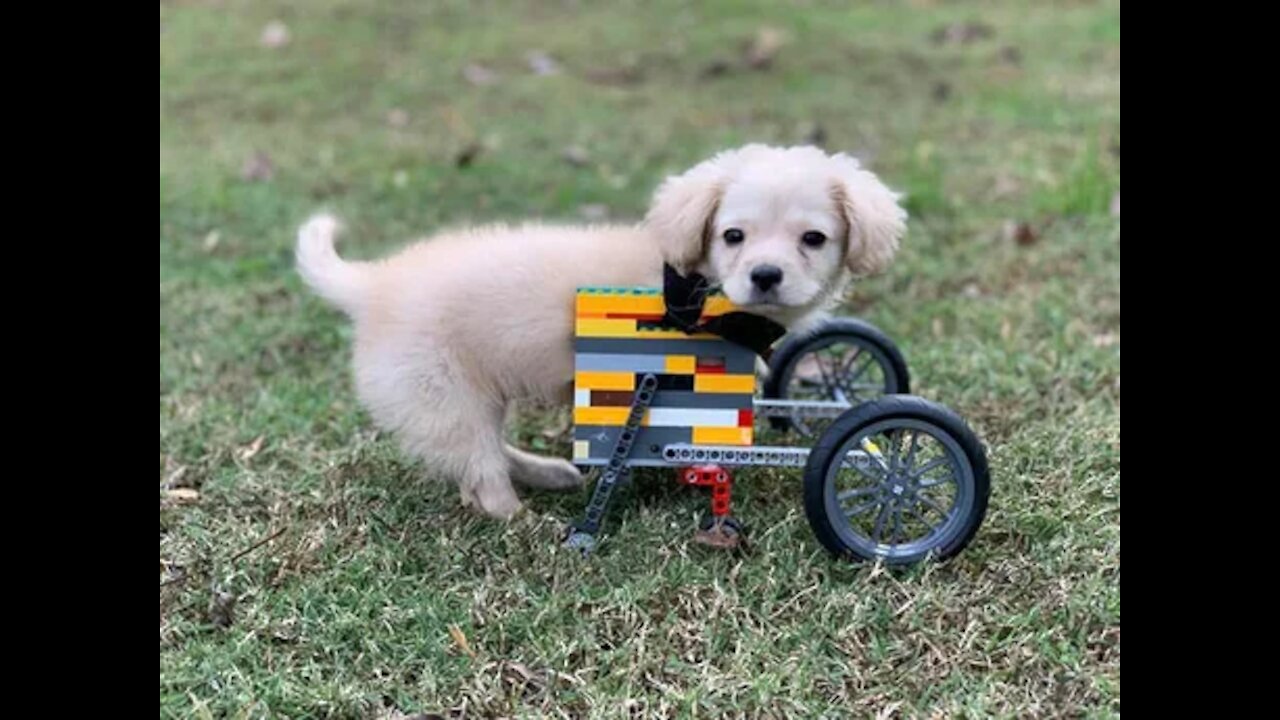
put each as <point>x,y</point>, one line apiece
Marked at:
<point>928,466</point>
<point>863,369</point>
<point>864,471</point>
<point>911,452</point>
<point>860,508</point>
<point>897,526</point>
<point>934,505</point>
<point>934,482</point>
<point>848,362</point>
<point>828,378</point>
<point>895,447</point>
<point>912,509</point>
<point>857,492</point>
<point>880,520</point>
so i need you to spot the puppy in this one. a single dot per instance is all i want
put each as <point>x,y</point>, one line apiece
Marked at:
<point>451,331</point>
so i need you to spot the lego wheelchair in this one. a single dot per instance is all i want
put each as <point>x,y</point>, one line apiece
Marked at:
<point>887,476</point>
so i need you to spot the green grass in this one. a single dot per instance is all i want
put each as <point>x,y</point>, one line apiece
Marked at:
<point>346,610</point>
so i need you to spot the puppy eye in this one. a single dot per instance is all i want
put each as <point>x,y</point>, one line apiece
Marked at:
<point>813,238</point>
<point>733,236</point>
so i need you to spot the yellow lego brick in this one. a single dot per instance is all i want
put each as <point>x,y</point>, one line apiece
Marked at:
<point>722,436</point>
<point>581,449</point>
<point>681,364</point>
<point>636,304</point>
<point>603,380</point>
<point>605,328</point>
<point>615,416</point>
<point>708,383</point>
<point>718,305</point>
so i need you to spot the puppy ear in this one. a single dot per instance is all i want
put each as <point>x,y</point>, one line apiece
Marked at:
<point>682,211</point>
<point>871,211</point>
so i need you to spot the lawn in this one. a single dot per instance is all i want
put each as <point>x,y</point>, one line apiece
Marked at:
<point>308,570</point>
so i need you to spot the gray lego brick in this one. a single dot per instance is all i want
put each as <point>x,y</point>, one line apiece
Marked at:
<point>738,360</point>
<point>648,443</point>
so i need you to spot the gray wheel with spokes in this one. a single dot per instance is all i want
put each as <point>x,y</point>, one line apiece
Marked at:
<point>899,478</point>
<point>846,360</point>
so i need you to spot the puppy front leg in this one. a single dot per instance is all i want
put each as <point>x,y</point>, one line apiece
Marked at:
<point>486,484</point>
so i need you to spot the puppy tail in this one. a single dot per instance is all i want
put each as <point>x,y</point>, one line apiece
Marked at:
<point>336,280</point>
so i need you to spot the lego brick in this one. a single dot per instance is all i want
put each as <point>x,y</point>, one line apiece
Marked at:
<point>646,450</point>
<point>582,398</point>
<point>634,304</point>
<point>629,362</point>
<point>722,436</point>
<point>601,415</point>
<point>648,301</point>
<point>675,382</point>
<point>690,417</point>
<point>604,381</point>
<point>689,399</point>
<point>738,360</point>
<point>605,328</point>
<point>724,383</point>
<point>581,449</point>
<point>671,398</point>
<point>659,417</point>
<point>626,328</point>
<point>611,398</point>
<point>681,364</point>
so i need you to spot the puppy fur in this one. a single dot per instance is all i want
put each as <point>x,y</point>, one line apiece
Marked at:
<point>452,330</point>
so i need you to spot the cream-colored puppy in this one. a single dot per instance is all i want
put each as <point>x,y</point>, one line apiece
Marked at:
<point>450,331</point>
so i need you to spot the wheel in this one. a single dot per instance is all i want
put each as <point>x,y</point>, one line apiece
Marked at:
<point>846,360</point>
<point>917,488</point>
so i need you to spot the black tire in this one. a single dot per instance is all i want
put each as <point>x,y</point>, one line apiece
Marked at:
<point>893,417</point>
<point>852,331</point>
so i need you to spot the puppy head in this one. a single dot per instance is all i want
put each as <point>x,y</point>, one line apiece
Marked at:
<point>780,229</point>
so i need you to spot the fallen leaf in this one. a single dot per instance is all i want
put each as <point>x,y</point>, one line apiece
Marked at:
<point>936,327</point>
<point>1021,232</point>
<point>252,448</point>
<point>542,64</point>
<point>576,155</point>
<point>398,118</point>
<point>962,33</point>
<point>1115,205</point>
<point>258,167</point>
<point>274,35</point>
<point>762,51</point>
<point>1004,186</point>
<point>182,495</point>
<point>625,75</point>
<point>1105,340</point>
<point>888,711</point>
<point>519,675</point>
<point>971,290</point>
<point>173,478</point>
<point>460,640</point>
<point>479,75</point>
<point>468,154</point>
<point>222,609</point>
<point>400,179</point>
<point>211,240</point>
<point>716,68</point>
<point>1006,330</point>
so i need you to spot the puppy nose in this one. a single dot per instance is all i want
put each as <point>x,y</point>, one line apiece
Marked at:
<point>766,276</point>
